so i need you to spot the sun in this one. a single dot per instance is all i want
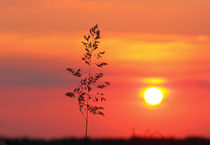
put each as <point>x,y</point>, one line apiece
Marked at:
<point>153,96</point>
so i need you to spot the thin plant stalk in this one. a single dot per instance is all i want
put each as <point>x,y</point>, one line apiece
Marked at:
<point>88,93</point>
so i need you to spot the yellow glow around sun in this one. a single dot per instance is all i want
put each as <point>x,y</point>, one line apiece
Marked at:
<point>153,96</point>
<point>153,80</point>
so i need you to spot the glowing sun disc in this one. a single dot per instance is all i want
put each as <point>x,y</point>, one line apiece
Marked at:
<point>153,96</point>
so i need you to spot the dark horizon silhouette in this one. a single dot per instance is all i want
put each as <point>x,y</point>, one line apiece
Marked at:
<point>107,141</point>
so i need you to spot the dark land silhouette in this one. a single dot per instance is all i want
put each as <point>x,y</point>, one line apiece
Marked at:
<point>132,141</point>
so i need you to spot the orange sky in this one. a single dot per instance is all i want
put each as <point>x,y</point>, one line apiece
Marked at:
<point>148,39</point>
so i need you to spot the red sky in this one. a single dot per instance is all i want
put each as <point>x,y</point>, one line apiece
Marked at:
<point>168,40</point>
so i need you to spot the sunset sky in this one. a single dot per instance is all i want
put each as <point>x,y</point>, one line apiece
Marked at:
<point>148,43</point>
